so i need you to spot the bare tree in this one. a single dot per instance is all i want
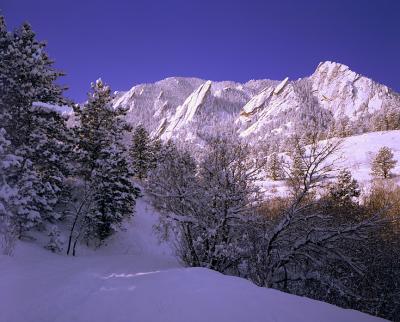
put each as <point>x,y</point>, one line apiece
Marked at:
<point>311,162</point>
<point>303,241</point>
<point>207,203</point>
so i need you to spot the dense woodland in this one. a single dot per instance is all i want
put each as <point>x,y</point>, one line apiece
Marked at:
<point>324,239</point>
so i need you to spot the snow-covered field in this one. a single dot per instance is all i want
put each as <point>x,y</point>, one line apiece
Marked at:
<point>356,154</point>
<point>136,279</point>
<point>359,151</point>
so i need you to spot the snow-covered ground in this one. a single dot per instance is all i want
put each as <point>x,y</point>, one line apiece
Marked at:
<point>136,279</point>
<point>359,151</point>
<point>356,154</point>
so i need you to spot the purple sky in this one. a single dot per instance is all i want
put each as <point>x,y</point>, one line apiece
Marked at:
<point>129,42</point>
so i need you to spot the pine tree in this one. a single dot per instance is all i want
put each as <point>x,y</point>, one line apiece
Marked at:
<point>8,195</point>
<point>155,153</point>
<point>274,167</point>
<point>114,197</point>
<point>393,116</point>
<point>343,127</point>
<point>37,133</point>
<point>383,163</point>
<point>345,189</point>
<point>106,194</point>
<point>141,152</point>
<point>296,168</point>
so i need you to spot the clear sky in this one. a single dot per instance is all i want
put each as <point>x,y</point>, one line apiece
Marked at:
<point>130,42</point>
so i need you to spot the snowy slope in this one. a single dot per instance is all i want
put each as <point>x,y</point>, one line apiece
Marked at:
<point>137,280</point>
<point>359,151</point>
<point>356,154</point>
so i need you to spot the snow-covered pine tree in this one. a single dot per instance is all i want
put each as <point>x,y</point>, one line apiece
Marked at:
<point>38,134</point>
<point>296,168</point>
<point>114,196</point>
<point>8,195</point>
<point>342,127</point>
<point>345,189</point>
<point>18,192</point>
<point>275,167</point>
<point>383,163</point>
<point>393,116</point>
<point>156,150</point>
<point>387,118</point>
<point>106,194</point>
<point>5,43</point>
<point>141,152</point>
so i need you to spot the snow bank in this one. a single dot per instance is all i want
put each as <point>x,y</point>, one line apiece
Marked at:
<point>53,288</point>
<point>134,278</point>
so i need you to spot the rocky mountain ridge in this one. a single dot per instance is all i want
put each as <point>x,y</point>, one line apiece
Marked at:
<point>182,108</point>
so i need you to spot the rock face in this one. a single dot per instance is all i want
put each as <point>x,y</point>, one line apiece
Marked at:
<point>184,113</point>
<point>266,106</point>
<point>182,108</point>
<point>344,92</point>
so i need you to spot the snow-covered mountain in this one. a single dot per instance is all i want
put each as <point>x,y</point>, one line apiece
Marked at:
<point>183,107</point>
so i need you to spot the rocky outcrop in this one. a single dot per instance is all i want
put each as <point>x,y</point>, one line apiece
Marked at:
<point>184,113</point>
<point>337,89</point>
<point>346,93</point>
<point>178,106</point>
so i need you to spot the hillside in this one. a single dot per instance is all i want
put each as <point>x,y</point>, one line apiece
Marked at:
<point>136,279</point>
<point>356,154</point>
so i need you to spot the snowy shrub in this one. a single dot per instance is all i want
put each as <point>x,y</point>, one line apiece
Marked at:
<point>56,242</point>
<point>207,202</point>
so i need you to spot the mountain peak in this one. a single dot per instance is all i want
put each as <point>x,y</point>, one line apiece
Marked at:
<point>332,68</point>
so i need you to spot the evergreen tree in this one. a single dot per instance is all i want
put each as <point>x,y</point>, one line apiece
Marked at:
<point>343,127</point>
<point>106,193</point>
<point>37,133</point>
<point>393,116</point>
<point>387,118</point>
<point>8,195</point>
<point>275,167</point>
<point>296,169</point>
<point>345,189</point>
<point>155,155</point>
<point>141,152</point>
<point>383,163</point>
